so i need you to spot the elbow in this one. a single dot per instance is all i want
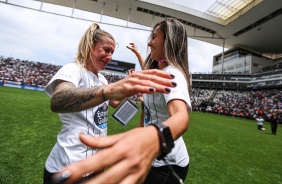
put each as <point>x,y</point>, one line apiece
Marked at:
<point>55,106</point>
<point>185,128</point>
<point>186,124</point>
<point>114,105</point>
<point>52,106</point>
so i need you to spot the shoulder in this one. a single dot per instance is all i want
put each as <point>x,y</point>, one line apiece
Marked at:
<point>176,72</point>
<point>70,72</point>
<point>170,68</point>
<point>73,66</point>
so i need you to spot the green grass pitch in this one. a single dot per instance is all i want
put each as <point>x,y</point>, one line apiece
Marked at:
<point>222,149</point>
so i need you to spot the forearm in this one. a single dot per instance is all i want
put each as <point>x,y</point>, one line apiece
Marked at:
<point>134,49</point>
<point>140,59</point>
<point>68,98</point>
<point>178,118</point>
<point>178,124</point>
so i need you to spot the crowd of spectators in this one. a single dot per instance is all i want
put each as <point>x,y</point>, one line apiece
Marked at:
<point>34,74</point>
<point>26,72</point>
<point>111,77</point>
<point>248,104</point>
<point>200,95</point>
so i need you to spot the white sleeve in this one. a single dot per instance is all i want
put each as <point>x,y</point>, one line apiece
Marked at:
<point>181,90</point>
<point>70,72</point>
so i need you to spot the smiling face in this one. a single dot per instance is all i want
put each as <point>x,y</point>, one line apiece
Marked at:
<point>101,55</point>
<point>157,44</point>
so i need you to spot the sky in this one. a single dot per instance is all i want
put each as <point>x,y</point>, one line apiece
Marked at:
<point>47,38</point>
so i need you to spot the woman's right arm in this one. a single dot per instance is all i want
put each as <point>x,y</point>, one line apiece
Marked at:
<point>68,98</point>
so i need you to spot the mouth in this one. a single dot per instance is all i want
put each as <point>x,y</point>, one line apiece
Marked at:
<point>104,63</point>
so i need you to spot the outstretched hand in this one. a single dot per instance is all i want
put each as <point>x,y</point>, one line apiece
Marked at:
<point>130,71</point>
<point>127,156</point>
<point>145,81</point>
<point>133,48</point>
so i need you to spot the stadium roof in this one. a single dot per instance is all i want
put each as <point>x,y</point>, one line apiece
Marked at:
<point>254,25</point>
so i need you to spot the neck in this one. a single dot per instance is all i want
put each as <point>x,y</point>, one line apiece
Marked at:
<point>162,63</point>
<point>90,67</point>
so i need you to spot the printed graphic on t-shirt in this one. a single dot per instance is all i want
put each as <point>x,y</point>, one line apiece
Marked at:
<point>64,76</point>
<point>147,115</point>
<point>101,116</point>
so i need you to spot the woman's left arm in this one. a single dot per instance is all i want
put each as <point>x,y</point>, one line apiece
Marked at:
<point>179,117</point>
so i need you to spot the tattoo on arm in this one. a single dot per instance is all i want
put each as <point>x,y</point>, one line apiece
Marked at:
<point>68,98</point>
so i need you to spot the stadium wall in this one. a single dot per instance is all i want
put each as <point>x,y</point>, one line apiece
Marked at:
<point>21,86</point>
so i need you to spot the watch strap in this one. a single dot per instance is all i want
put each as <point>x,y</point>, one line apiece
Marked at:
<point>166,140</point>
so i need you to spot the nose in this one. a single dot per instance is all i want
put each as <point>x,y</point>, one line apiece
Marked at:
<point>109,57</point>
<point>149,43</point>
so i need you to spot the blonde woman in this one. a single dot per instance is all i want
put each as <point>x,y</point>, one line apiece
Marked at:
<point>81,95</point>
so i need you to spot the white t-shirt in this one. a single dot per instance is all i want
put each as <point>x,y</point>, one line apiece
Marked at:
<point>259,121</point>
<point>156,111</point>
<point>93,121</point>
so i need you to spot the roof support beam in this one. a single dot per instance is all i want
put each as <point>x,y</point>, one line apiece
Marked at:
<point>73,8</point>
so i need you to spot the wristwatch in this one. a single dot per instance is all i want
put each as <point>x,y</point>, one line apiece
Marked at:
<point>166,140</point>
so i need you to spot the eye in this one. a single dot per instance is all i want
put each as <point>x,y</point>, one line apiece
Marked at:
<point>106,49</point>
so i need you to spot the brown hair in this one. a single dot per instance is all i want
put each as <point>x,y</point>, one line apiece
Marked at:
<point>175,47</point>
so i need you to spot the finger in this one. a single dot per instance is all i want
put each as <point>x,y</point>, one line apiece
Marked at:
<point>116,173</point>
<point>77,170</point>
<point>100,142</point>
<point>113,175</point>
<point>154,80</point>
<point>130,47</point>
<point>157,72</point>
<point>137,178</point>
<point>149,85</point>
<point>150,90</point>
<point>134,179</point>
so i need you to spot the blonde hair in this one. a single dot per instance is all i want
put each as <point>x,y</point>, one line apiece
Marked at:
<point>92,36</point>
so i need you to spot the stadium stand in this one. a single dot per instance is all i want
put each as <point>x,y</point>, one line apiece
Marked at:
<point>37,74</point>
<point>236,95</point>
<point>243,104</point>
<point>26,72</point>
